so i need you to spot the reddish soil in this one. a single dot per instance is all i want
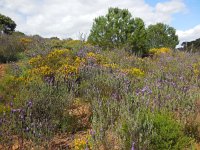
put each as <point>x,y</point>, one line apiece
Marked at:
<point>83,113</point>
<point>62,141</point>
<point>2,70</point>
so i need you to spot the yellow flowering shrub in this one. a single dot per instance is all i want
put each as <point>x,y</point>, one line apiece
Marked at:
<point>68,69</point>
<point>43,70</point>
<point>91,55</point>
<point>80,143</point>
<point>36,61</point>
<point>158,51</point>
<point>20,79</point>
<point>100,59</point>
<point>24,79</point>
<point>57,54</point>
<point>134,72</point>
<point>112,66</point>
<point>57,61</point>
<point>196,69</point>
<point>56,58</point>
<point>25,41</point>
<point>79,61</point>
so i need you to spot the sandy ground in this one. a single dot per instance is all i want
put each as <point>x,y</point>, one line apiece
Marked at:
<point>2,70</point>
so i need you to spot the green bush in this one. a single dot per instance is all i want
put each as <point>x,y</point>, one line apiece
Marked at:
<point>167,134</point>
<point>10,46</point>
<point>38,112</point>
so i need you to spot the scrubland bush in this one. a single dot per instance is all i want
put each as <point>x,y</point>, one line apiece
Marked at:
<point>10,47</point>
<point>133,102</point>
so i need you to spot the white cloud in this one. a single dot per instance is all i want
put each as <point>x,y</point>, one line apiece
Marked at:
<point>189,35</point>
<point>172,6</point>
<point>67,18</point>
<point>165,10</point>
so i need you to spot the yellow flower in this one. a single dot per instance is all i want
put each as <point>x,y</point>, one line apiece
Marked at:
<point>99,58</point>
<point>196,72</point>
<point>91,54</point>
<point>196,68</point>
<point>43,70</point>
<point>68,69</point>
<point>158,51</point>
<point>57,53</point>
<point>20,79</point>
<point>36,61</point>
<point>79,61</point>
<point>79,144</point>
<point>25,41</point>
<point>112,66</point>
<point>133,72</point>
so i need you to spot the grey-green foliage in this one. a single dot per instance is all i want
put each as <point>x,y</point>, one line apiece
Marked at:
<point>161,35</point>
<point>112,30</point>
<point>10,47</point>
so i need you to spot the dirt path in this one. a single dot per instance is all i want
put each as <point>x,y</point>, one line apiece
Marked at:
<point>2,70</point>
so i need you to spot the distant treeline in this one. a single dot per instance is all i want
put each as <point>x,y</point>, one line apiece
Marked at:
<point>192,46</point>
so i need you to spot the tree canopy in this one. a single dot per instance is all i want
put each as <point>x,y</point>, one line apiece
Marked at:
<point>112,30</point>
<point>118,29</point>
<point>138,40</point>
<point>7,25</point>
<point>161,35</point>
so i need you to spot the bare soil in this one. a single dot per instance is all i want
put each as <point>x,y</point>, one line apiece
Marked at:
<point>2,70</point>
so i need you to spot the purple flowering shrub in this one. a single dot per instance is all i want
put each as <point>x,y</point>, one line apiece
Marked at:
<point>128,99</point>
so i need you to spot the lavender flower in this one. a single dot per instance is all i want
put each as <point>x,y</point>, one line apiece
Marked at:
<point>15,110</point>
<point>11,104</point>
<point>27,129</point>
<point>87,148</point>
<point>29,104</point>
<point>132,148</point>
<point>147,90</point>
<point>92,133</point>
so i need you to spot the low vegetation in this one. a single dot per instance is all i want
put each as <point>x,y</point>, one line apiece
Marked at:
<point>73,94</point>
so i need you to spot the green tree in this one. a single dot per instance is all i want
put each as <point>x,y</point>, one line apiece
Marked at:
<point>7,25</point>
<point>138,40</point>
<point>112,30</point>
<point>161,35</point>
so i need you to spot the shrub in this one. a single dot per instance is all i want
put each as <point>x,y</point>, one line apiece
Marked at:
<point>159,51</point>
<point>37,113</point>
<point>128,97</point>
<point>118,29</point>
<point>167,133</point>
<point>10,46</point>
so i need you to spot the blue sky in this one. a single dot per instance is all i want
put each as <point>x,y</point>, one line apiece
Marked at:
<point>70,18</point>
<point>187,19</point>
